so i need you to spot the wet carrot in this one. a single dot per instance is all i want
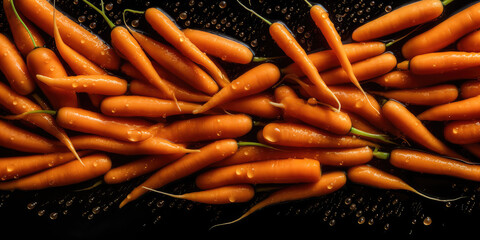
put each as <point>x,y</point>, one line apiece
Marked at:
<point>440,62</point>
<point>462,131</point>
<point>469,88</point>
<point>469,42</point>
<point>254,105</point>
<point>458,110</point>
<point>361,123</point>
<point>426,96</point>
<point>73,172</point>
<point>185,166</point>
<point>94,84</point>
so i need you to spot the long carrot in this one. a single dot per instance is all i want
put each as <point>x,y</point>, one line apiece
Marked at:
<point>462,131</point>
<point>258,105</point>
<point>426,96</point>
<point>458,110</point>
<point>328,183</point>
<point>440,62</point>
<point>185,166</point>
<point>94,84</point>
<point>69,173</point>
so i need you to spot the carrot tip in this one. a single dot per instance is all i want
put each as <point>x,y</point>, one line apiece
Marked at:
<point>403,65</point>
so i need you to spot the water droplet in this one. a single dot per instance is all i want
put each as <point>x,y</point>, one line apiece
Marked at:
<point>109,6</point>
<point>53,215</point>
<point>75,84</point>
<point>232,199</point>
<point>427,221</point>
<point>135,23</point>
<point>183,15</point>
<point>31,205</point>
<point>251,173</point>
<point>388,8</point>
<point>222,4</point>
<point>81,19</point>
<point>361,220</point>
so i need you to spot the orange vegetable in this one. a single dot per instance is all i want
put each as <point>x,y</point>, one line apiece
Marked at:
<point>462,131</point>
<point>425,96</point>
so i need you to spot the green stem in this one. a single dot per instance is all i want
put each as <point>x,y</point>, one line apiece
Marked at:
<point>446,2</point>
<point>22,115</point>
<point>101,12</point>
<point>263,59</point>
<point>381,155</point>
<point>382,137</point>
<point>132,11</point>
<point>241,143</point>
<point>23,24</point>
<point>308,3</point>
<point>404,36</point>
<point>254,13</point>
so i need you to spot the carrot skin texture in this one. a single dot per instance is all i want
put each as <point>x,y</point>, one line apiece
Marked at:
<point>469,42</point>
<point>469,88</point>
<point>426,96</point>
<point>95,84</point>
<point>402,18</point>
<point>462,131</point>
<point>221,195</point>
<point>253,105</point>
<point>14,68</point>
<point>187,165</point>
<point>371,176</point>
<point>442,62</point>
<point>458,110</point>
<point>69,173</point>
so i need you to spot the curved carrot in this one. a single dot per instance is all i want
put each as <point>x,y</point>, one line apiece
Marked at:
<point>469,42</point>
<point>13,66</point>
<point>166,27</point>
<point>413,128</point>
<point>440,62</point>
<point>443,34</point>
<point>185,166</point>
<point>77,37</point>
<point>69,173</point>
<point>210,127</point>
<point>469,88</point>
<point>458,110</point>
<point>95,84</point>
<point>221,195</point>
<point>220,46</point>
<point>328,183</point>
<point>426,96</point>
<point>254,105</point>
<point>462,131</point>
<point>277,171</point>
<point>253,81</point>
<point>406,16</point>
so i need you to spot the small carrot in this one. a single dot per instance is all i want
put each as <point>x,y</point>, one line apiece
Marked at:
<point>444,33</point>
<point>426,96</point>
<point>464,109</point>
<point>413,128</point>
<point>254,105</point>
<point>79,38</point>
<point>440,62</point>
<point>222,195</point>
<point>302,135</point>
<point>185,166</point>
<point>167,28</point>
<point>462,131</point>
<point>326,59</point>
<point>374,177</point>
<point>253,81</point>
<point>209,127</point>
<point>469,42</point>
<point>469,88</point>
<point>407,16</point>
<point>220,46</point>
<point>14,68</point>
<point>73,172</point>
<point>328,183</point>
<point>138,167</point>
<point>94,84</point>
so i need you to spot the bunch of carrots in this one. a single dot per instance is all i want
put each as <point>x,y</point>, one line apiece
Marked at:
<point>165,101</point>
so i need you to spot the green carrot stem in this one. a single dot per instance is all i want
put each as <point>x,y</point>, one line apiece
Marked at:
<point>22,115</point>
<point>23,24</point>
<point>381,137</point>
<point>254,13</point>
<point>101,12</point>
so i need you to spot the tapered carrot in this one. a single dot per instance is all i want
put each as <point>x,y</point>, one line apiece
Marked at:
<point>138,167</point>
<point>150,146</point>
<point>328,183</point>
<point>458,110</point>
<point>220,46</point>
<point>469,42</point>
<point>302,135</point>
<point>253,81</point>
<point>326,59</point>
<point>426,96</point>
<point>19,166</point>
<point>73,172</point>
<point>374,177</point>
<point>462,131</point>
<point>407,16</point>
<point>221,195</point>
<point>185,166</point>
<point>94,84</point>
<point>254,105</point>
<point>167,28</point>
<point>469,88</point>
<point>77,37</point>
<point>413,128</point>
<point>210,127</point>
<point>440,62</point>
<point>444,33</point>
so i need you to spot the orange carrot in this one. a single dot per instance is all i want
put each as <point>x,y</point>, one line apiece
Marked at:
<point>473,148</point>
<point>95,84</point>
<point>469,42</point>
<point>254,105</point>
<point>458,110</point>
<point>185,166</point>
<point>469,88</point>
<point>440,62</point>
<point>426,96</point>
<point>73,172</point>
<point>462,131</point>
<point>221,195</point>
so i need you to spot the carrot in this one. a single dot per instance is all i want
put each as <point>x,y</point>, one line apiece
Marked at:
<point>326,156</point>
<point>469,42</point>
<point>362,124</point>
<point>462,131</point>
<point>14,68</point>
<point>254,105</point>
<point>220,46</point>
<point>138,167</point>
<point>185,166</point>
<point>458,110</point>
<point>210,127</point>
<point>287,42</point>
<point>19,166</point>
<point>413,128</point>
<point>253,81</point>
<point>176,63</point>
<point>374,177</point>
<point>328,183</point>
<point>326,59</point>
<point>221,195</point>
<point>22,38</point>
<point>302,135</point>
<point>407,16</point>
<point>66,174</point>
<point>469,88</point>
<point>473,148</point>
<point>444,33</point>
<point>440,62</point>
<point>94,84</point>
<point>74,35</point>
<point>426,96</point>
<point>150,146</point>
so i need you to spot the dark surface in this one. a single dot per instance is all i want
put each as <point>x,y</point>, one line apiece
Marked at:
<point>352,211</point>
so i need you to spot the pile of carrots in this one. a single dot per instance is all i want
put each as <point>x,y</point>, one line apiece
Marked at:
<point>165,101</point>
